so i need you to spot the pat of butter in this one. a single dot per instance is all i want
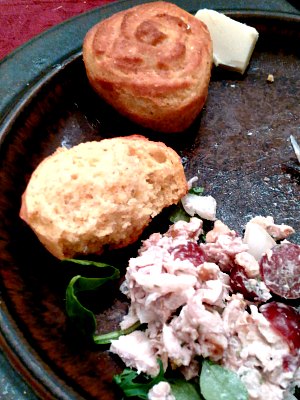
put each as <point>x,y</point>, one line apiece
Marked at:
<point>233,42</point>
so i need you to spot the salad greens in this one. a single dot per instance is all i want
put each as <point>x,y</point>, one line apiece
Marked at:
<point>80,316</point>
<point>197,190</point>
<point>179,214</point>
<point>215,383</point>
<point>138,385</point>
<point>183,390</point>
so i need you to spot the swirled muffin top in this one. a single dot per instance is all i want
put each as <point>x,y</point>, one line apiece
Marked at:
<point>152,63</point>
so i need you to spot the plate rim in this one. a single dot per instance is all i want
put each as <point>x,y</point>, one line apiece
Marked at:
<point>35,371</point>
<point>45,52</point>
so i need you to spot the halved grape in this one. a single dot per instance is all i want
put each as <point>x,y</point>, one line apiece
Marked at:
<point>190,251</point>
<point>285,320</point>
<point>240,283</point>
<point>280,270</point>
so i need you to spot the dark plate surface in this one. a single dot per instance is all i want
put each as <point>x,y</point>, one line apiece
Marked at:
<point>239,147</point>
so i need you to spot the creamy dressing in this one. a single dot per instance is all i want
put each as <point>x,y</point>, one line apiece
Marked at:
<point>191,311</point>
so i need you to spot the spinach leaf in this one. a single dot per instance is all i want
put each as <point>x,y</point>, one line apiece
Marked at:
<point>179,214</point>
<point>138,385</point>
<point>183,390</point>
<point>83,319</point>
<point>196,190</point>
<point>80,316</point>
<point>217,383</point>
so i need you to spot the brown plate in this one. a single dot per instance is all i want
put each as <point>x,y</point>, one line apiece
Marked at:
<point>239,148</point>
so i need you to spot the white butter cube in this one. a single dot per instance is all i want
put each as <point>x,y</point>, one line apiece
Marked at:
<point>233,42</point>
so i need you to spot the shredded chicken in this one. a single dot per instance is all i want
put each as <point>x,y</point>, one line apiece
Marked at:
<point>190,309</point>
<point>256,352</point>
<point>161,391</point>
<point>136,351</point>
<point>224,250</point>
<point>219,229</point>
<point>249,263</point>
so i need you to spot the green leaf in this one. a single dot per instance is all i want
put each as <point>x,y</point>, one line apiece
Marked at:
<point>178,214</point>
<point>82,318</point>
<point>218,383</point>
<point>138,385</point>
<point>183,390</point>
<point>196,190</point>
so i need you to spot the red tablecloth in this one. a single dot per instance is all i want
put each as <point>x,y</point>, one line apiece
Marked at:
<point>20,20</point>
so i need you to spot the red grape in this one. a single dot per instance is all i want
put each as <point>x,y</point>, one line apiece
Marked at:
<point>280,270</point>
<point>285,320</point>
<point>240,283</point>
<point>190,251</point>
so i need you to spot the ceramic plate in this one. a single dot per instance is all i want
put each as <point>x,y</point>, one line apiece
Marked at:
<point>239,147</point>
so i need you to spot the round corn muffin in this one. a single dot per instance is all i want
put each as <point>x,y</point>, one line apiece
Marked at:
<point>98,194</point>
<point>152,63</point>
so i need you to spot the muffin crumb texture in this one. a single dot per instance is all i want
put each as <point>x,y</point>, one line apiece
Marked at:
<point>99,194</point>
